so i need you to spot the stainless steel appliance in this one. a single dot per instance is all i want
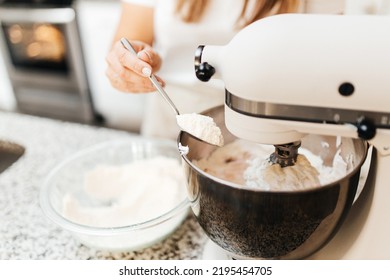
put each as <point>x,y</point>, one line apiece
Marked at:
<point>40,42</point>
<point>252,222</point>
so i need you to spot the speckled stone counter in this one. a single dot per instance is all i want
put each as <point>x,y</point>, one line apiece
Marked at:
<point>25,233</point>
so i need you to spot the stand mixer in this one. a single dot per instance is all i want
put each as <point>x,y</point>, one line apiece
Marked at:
<point>287,76</point>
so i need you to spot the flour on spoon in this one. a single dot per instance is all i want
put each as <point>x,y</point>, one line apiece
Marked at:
<point>202,127</point>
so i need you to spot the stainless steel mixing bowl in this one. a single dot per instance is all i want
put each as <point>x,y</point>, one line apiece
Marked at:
<point>250,223</point>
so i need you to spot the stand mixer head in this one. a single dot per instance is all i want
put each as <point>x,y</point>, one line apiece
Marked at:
<point>291,75</point>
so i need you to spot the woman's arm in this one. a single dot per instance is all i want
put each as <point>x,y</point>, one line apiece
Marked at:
<point>136,23</point>
<point>127,72</point>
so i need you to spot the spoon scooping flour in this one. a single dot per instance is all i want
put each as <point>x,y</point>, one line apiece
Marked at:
<point>202,127</point>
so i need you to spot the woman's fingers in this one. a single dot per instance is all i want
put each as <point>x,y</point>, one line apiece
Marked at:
<point>130,73</point>
<point>128,81</point>
<point>132,62</point>
<point>148,55</point>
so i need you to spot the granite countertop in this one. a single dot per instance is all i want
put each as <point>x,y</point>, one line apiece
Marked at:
<point>25,233</point>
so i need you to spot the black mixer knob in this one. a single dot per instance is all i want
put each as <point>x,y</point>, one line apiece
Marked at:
<point>366,129</point>
<point>204,72</point>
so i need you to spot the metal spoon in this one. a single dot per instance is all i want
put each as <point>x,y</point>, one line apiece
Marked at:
<point>216,140</point>
<point>152,78</point>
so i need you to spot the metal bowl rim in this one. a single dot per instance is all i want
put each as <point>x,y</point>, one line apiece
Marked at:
<point>246,188</point>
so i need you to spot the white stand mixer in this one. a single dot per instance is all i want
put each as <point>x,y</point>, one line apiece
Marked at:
<point>291,75</point>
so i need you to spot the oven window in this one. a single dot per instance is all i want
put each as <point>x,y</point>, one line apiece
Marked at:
<point>38,46</point>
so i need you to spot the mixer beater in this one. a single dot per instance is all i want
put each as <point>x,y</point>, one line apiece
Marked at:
<point>285,154</point>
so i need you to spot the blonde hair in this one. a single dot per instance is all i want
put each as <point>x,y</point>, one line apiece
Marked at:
<point>192,10</point>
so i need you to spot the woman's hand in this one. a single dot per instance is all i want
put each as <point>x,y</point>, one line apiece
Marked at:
<point>129,73</point>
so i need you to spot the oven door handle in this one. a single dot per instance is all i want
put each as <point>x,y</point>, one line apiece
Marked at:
<point>52,15</point>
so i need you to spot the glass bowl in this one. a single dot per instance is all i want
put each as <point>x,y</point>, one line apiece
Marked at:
<point>121,195</point>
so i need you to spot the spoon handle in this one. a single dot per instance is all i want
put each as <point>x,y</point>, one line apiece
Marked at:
<point>152,78</point>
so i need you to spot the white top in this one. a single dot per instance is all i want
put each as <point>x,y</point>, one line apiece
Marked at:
<point>177,41</point>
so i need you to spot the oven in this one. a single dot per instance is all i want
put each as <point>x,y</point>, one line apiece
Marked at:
<point>41,46</point>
